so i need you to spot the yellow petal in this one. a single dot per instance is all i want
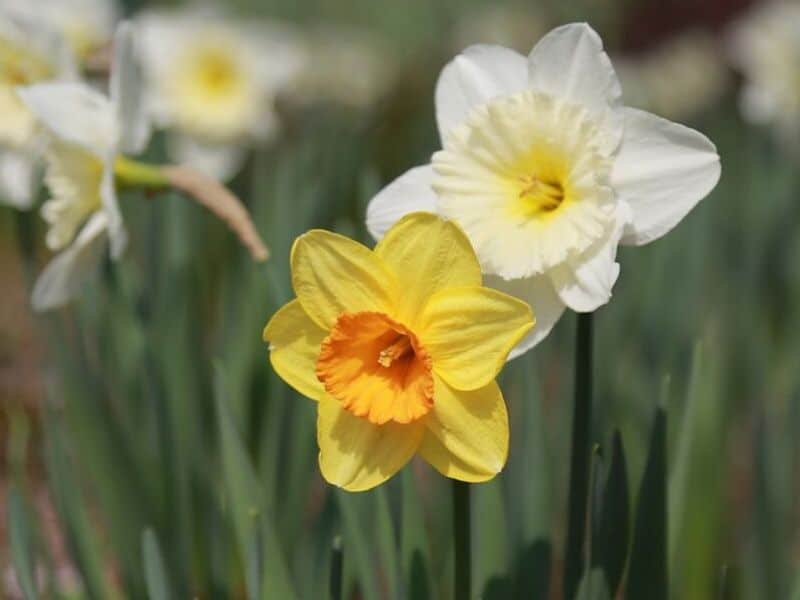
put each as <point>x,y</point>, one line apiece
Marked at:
<point>294,343</point>
<point>426,255</point>
<point>469,332</point>
<point>467,433</point>
<point>358,455</point>
<point>332,274</point>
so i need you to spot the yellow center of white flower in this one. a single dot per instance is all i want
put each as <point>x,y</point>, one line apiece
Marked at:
<point>212,91</point>
<point>74,178</point>
<point>526,176</point>
<point>19,65</point>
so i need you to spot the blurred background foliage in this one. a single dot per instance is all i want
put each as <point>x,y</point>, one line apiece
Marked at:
<point>150,451</point>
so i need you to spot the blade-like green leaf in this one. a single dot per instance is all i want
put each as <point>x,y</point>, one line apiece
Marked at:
<point>593,586</point>
<point>154,572</point>
<point>21,540</point>
<point>246,504</point>
<point>611,538</point>
<point>647,571</point>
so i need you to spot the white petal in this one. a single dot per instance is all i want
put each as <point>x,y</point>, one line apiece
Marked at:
<point>663,170</point>
<point>539,293</point>
<point>63,277</point>
<point>127,90</point>
<point>18,179</point>
<point>219,161</point>
<point>75,113</point>
<point>570,63</point>
<point>411,192</point>
<point>117,234</point>
<point>584,283</point>
<point>474,77</point>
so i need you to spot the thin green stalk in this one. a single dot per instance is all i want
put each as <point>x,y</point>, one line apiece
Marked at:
<point>579,459</point>
<point>336,569</point>
<point>463,541</point>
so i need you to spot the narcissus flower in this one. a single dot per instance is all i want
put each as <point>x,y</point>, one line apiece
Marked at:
<point>86,25</point>
<point>85,132</point>
<point>213,82</point>
<point>400,347</point>
<point>765,45</point>
<point>547,172</point>
<point>29,53</point>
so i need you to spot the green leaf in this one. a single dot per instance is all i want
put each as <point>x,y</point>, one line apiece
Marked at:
<point>22,541</point>
<point>593,586</point>
<point>359,546</point>
<point>647,571</point>
<point>247,507</point>
<point>414,543</point>
<point>154,572</point>
<point>611,538</point>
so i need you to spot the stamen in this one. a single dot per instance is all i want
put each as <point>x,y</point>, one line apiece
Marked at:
<point>396,350</point>
<point>548,195</point>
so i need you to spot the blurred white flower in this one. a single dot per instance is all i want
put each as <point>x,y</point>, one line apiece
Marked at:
<point>86,25</point>
<point>350,67</point>
<point>679,79</point>
<point>85,132</point>
<point>507,25</point>
<point>765,45</point>
<point>213,81</point>
<point>29,53</point>
<point>547,172</point>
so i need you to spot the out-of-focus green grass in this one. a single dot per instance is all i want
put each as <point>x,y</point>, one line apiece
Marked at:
<point>181,466</point>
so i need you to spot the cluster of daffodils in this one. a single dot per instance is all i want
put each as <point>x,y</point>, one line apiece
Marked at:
<point>543,173</point>
<point>60,129</point>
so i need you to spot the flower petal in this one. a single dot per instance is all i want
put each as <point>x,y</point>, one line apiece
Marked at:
<point>539,293</point>
<point>63,277</point>
<point>467,433</point>
<point>426,254</point>
<point>570,63</point>
<point>217,160</point>
<point>75,113</point>
<point>18,179</point>
<point>357,455</point>
<point>663,170</point>
<point>469,332</point>
<point>474,77</point>
<point>294,344</point>
<point>411,192</point>
<point>118,236</point>
<point>127,90</point>
<point>584,282</point>
<point>332,274</point>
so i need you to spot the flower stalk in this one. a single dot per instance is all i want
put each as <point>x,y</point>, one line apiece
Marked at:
<point>462,538</point>
<point>204,190</point>
<point>579,458</point>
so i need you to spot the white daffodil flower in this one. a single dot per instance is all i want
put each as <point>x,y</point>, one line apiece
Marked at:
<point>85,132</point>
<point>765,45</point>
<point>547,172</point>
<point>213,83</point>
<point>29,53</point>
<point>86,25</point>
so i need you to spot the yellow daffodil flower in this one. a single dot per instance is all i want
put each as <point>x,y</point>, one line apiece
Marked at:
<point>400,347</point>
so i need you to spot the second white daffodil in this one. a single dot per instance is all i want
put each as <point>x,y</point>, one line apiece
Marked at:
<point>85,132</point>
<point>547,172</point>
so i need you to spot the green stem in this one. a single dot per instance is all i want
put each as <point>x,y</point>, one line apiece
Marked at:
<point>579,459</point>
<point>462,539</point>
<point>139,175</point>
<point>336,569</point>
